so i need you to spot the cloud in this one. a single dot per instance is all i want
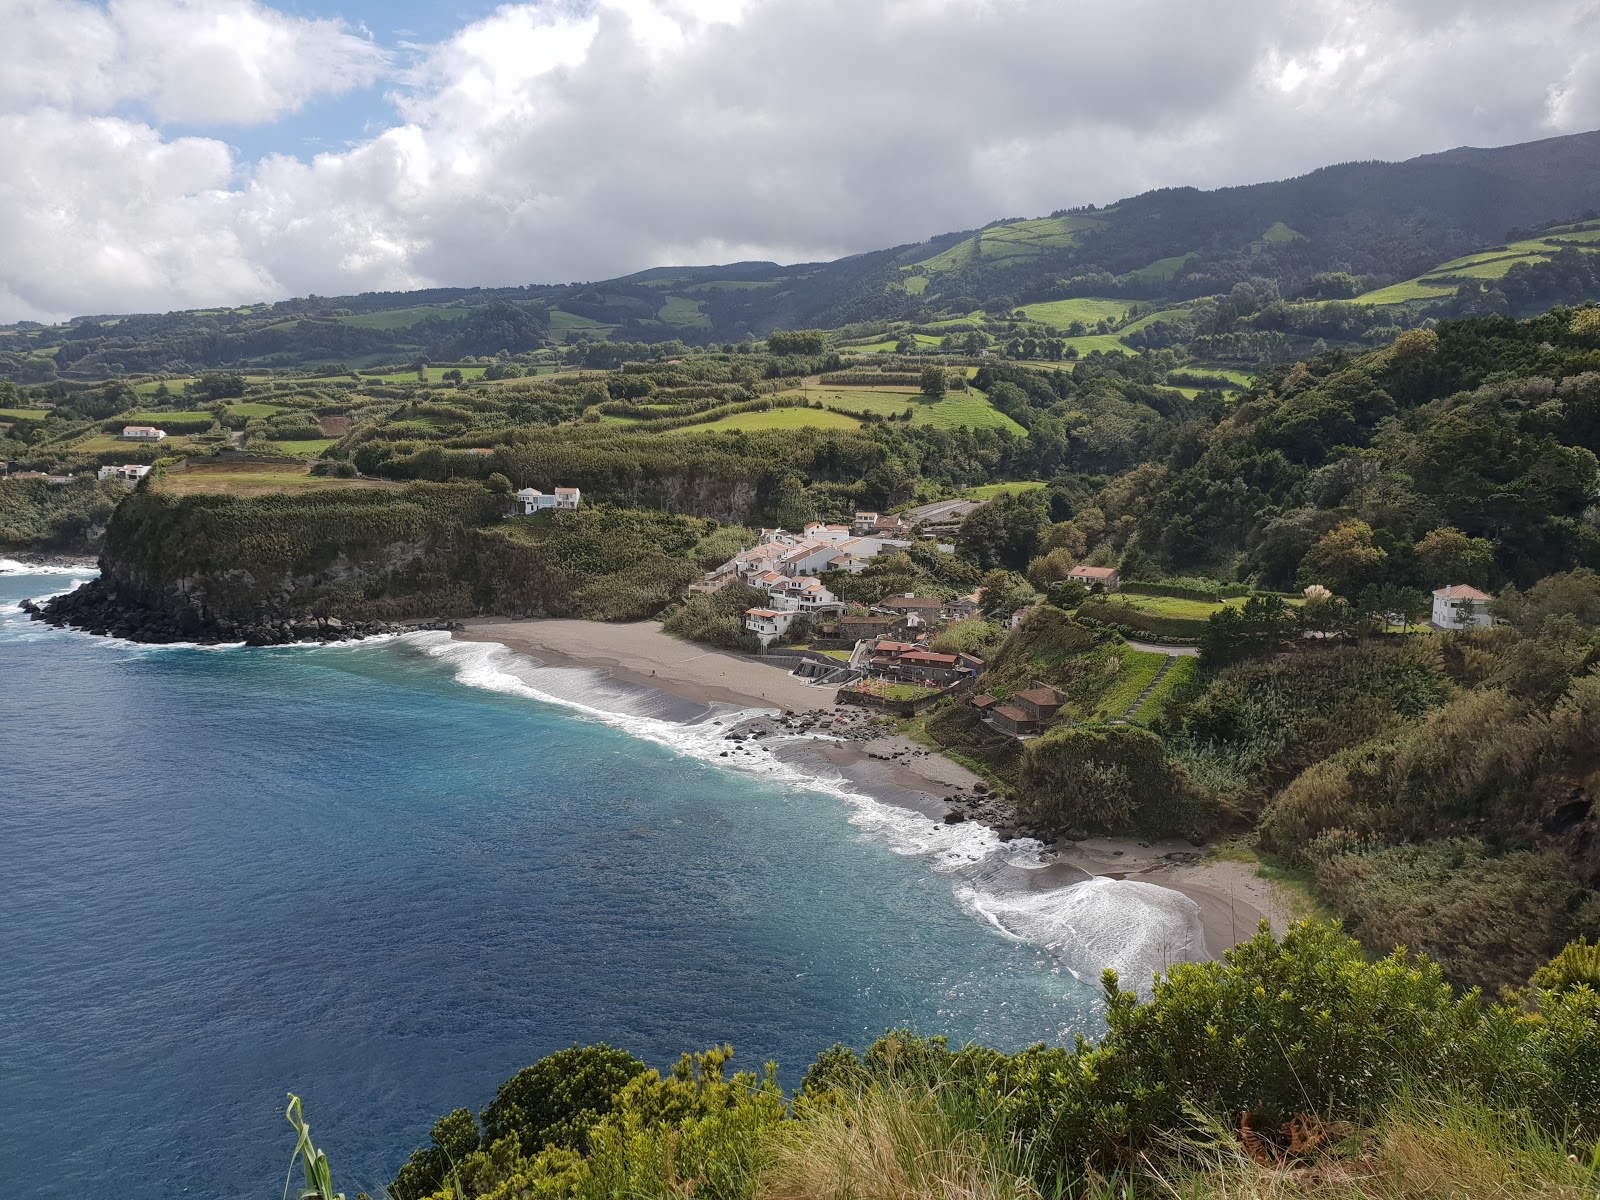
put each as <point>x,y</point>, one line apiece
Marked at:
<point>201,62</point>
<point>569,140</point>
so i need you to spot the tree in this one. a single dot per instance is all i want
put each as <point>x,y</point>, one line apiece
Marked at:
<point>1345,559</point>
<point>1446,556</point>
<point>498,484</point>
<point>975,342</point>
<point>559,1099</point>
<point>1006,532</point>
<point>797,341</point>
<point>1001,593</point>
<point>934,383</point>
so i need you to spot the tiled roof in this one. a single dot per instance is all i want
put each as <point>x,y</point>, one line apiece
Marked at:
<point>1461,591</point>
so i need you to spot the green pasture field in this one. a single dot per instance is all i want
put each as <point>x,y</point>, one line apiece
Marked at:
<point>1161,269</point>
<point>402,318</point>
<point>253,408</point>
<point>189,422</point>
<point>777,418</point>
<point>564,325</point>
<point>305,448</point>
<point>683,313</point>
<point>24,414</point>
<point>1166,314</point>
<point>1242,378</point>
<point>1104,342</point>
<point>1020,239</point>
<point>970,408</point>
<point>1279,233</point>
<point>887,347</point>
<point>990,490</point>
<point>110,443</point>
<point>1088,309</point>
<point>1404,293</point>
<point>148,387</point>
<point>733,285</point>
<point>248,479</point>
<point>434,375</point>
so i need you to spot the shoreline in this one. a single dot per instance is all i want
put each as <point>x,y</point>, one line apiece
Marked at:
<point>1231,899</point>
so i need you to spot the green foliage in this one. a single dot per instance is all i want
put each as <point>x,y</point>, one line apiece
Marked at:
<point>1106,779</point>
<point>319,1182</point>
<point>64,516</point>
<point>558,1100</point>
<point>1005,532</point>
<point>717,619</point>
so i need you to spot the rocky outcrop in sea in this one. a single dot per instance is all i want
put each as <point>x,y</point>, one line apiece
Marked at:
<point>97,607</point>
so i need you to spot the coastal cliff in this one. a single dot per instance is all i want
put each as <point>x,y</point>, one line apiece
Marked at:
<point>332,563</point>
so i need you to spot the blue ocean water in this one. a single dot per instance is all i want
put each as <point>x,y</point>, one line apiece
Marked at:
<point>386,876</point>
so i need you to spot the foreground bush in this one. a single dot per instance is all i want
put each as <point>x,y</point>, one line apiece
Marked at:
<point>1288,1069</point>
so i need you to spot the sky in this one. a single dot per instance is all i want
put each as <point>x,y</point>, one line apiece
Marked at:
<point>167,154</point>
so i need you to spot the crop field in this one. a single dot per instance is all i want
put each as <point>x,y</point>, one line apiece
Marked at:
<point>683,313</point>
<point>306,447</point>
<point>1104,342</point>
<point>254,479</point>
<point>1019,239</point>
<point>1166,314</point>
<point>970,408</point>
<point>565,325</point>
<point>1088,309</point>
<point>777,418</point>
<point>149,387</point>
<point>1161,269</point>
<point>402,318</point>
<point>188,422</point>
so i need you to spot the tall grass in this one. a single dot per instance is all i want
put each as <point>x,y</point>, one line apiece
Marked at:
<point>894,1142</point>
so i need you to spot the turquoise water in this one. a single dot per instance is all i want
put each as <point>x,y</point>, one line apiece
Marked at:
<point>386,876</point>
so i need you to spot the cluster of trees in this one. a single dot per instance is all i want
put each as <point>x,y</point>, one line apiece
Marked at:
<point>1299,1059</point>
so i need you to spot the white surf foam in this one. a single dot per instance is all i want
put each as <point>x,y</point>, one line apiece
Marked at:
<point>1132,927</point>
<point>12,566</point>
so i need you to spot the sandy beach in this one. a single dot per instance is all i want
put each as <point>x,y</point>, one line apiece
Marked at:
<point>640,653</point>
<point>1232,899</point>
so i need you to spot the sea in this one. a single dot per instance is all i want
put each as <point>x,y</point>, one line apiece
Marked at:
<point>386,875</point>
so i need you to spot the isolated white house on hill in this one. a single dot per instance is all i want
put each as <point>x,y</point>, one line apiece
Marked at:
<point>142,433</point>
<point>532,500</point>
<point>1106,577</point>
<point>1459,606</point>
<point>131,473</point>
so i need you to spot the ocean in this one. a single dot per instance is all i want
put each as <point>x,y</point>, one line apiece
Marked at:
<point>387,875</point>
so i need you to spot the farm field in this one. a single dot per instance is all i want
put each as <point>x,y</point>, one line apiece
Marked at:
<point>1018,239</point>
<point>1166,314</point>
<point>1106,343</point>
<point>1139,669</point>
<point>970,408</point>
<point>564,325</point>
<point>683,313</point>
<point>435,374</point>
<point>190,422</point>
<point>105,444</point>
<point>777,418</point>
<point>250,479</point>
<point>402,318</point>
<point>149,387</point>
<point>1088,309</point>
<point>305,447</point>
<point>23,414</point>
<point>252,408</point>
<point>888,344</point>
<point>1161,269</point>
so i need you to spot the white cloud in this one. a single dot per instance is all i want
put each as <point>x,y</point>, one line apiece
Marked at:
<point>206,62</point>
<point>574,139</point>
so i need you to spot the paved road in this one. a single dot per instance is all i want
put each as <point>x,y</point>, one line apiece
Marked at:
<point>942,510</point>
<point>1156,648</point>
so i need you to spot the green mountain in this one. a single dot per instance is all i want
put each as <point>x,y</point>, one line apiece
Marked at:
<point>1386,234</point>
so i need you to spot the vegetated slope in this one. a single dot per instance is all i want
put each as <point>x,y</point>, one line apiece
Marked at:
<point>1382,222</point>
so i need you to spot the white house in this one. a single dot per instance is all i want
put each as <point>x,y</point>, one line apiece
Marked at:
<point>1459,606</point>
<point>768,624</point>
<point>532,500</point>
<point>131,473</point>
<point>1105,577</point>
<point>567,499</point>
<point>142,433</point>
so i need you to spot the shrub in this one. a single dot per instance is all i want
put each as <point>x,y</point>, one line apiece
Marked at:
<point>1106,779</point>
<point>560,1098</point>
